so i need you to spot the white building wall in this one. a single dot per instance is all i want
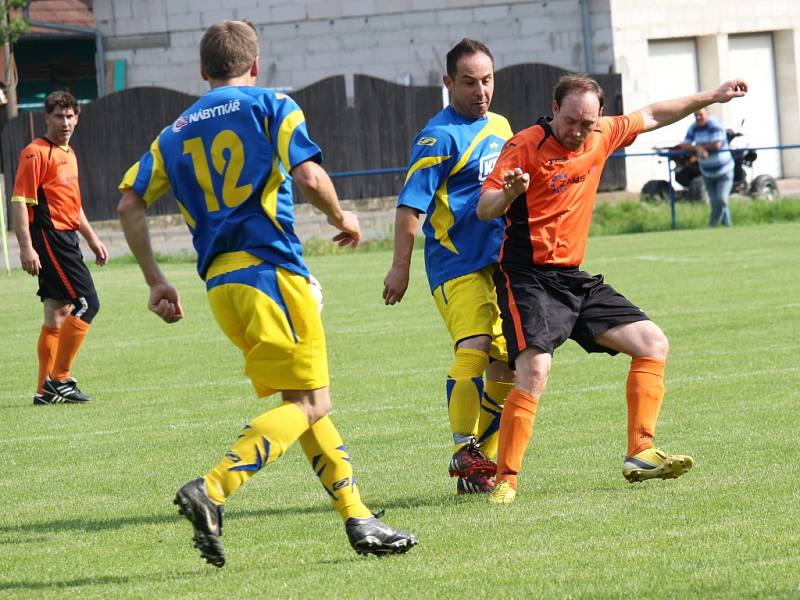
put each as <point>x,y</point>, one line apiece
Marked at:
<point>302,42</point>
<point>709,23</point>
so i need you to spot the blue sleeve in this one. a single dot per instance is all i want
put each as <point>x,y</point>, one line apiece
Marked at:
<point>148,177</point>
<point>689,139</point>
<point>717,132</point>
<point>288,132</point>
<point>432,157</point>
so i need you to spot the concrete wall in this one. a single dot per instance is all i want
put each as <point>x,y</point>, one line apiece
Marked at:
<point>399,40</point>
<point>406,41</point>
<point>709,23</point>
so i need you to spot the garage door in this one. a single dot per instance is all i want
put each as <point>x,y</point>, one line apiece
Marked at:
<point>672,72</point>
<point>751,58</point>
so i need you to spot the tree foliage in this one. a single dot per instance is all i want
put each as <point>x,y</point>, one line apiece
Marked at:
<point>12,25</point>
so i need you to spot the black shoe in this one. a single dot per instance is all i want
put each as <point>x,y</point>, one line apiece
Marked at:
<point>470,461</point>
<point>58,392</point>
<point>39,399</point>
<point>206,518</point>
<point>370,535</point>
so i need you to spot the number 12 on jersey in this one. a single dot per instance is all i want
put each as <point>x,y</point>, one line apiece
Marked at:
<point>227,164</point>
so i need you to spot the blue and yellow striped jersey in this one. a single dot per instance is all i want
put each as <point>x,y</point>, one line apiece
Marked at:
<point>227,158</point>
<point>450,158</point>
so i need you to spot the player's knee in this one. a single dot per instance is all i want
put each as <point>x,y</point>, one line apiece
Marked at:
<point>498,370</point>
<point>86,308</point>
<point>315,404</point>
<point>478,342</point>
<point>656,343</point>
<point>533,370</point>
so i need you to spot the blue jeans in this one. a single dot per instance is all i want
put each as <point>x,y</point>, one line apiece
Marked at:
<point>719,190</point>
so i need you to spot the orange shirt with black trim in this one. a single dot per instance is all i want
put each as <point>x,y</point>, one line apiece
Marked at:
<point>47,181</point>
<point>549,224</point>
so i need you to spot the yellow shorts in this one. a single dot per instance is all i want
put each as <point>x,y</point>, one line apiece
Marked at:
<point>468,305</point>
<point>273,318</point>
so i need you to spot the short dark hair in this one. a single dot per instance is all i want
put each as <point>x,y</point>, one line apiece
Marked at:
<point>580,83</point>
<point>466,47</point>
<point>228,49</point>
<point>61,99</point>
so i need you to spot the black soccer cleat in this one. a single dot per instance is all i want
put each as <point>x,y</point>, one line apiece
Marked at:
<point>370,535</point>
<point>61,392</point>
<point>470,461</point>
<point>206,518</point>
<point>476,484</point>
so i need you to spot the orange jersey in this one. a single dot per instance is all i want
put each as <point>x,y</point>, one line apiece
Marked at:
<point>47,181</point>
<point>549,225</point>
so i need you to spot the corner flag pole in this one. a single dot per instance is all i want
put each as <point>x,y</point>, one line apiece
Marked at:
<point>3,227</point>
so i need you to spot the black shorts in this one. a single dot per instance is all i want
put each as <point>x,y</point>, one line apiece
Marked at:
<point>544,306</point>
<point>63,276</point>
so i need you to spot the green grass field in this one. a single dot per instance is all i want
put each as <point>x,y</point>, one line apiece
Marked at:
<point>87,490</point>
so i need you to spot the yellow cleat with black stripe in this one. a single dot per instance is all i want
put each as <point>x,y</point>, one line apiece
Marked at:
<point>655,464</point>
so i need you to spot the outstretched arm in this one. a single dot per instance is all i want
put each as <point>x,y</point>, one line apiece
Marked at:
<point>660,114</point>
<point>316,185</point>
<point>164,299</point>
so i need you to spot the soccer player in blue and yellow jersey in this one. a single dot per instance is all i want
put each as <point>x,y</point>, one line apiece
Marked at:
<point>231,158</point>
<point>450,158</point>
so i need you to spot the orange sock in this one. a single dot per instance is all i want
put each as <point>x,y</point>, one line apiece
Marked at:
<point>516,430</point>
<point>73,332</point>
<point>46,350</point>
<point>645,390</point>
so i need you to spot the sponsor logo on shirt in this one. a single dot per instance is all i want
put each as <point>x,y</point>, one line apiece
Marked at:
<point>560,181</point>
<point>426,141</point>
<point>206,113</point>
<point>486,165</point>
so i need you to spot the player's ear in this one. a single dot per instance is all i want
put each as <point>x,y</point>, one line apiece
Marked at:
<point>554,107</point>
<point>254,68</point>
<point>448,83</point>
<point>203,74</point>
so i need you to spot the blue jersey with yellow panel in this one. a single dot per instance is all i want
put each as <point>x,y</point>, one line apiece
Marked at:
<point>450,158</point>
<point>227,158</point>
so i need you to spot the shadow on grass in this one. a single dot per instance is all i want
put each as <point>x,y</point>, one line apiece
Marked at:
<point>90,581</point>
<point>94,525</point>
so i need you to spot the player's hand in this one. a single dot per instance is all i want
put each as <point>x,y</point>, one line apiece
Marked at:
<point>515,183</point>
<point>735,88</point>
<point>349,230</point>
<point>395,285</point>
<point>29,260</point>
<point>701,152</point>
<point>165,302</point>
<point>100,251</point>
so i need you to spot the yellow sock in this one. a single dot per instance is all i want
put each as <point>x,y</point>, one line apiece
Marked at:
<point>262,441</point>
<point>464,393</point>
<point>494,397</point>
<point>325,451</point>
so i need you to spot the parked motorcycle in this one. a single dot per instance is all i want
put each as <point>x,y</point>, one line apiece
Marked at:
<point>687,174</point>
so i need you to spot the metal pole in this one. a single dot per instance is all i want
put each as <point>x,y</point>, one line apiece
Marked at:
<point>586,25</point>
<point>671,193</point>
<point>3,227</point>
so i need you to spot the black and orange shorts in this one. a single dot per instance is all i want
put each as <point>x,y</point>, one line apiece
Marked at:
<point>64,275</point>
<point>544,306</point>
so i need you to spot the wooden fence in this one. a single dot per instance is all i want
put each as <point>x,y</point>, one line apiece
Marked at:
<point>373,132</point>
